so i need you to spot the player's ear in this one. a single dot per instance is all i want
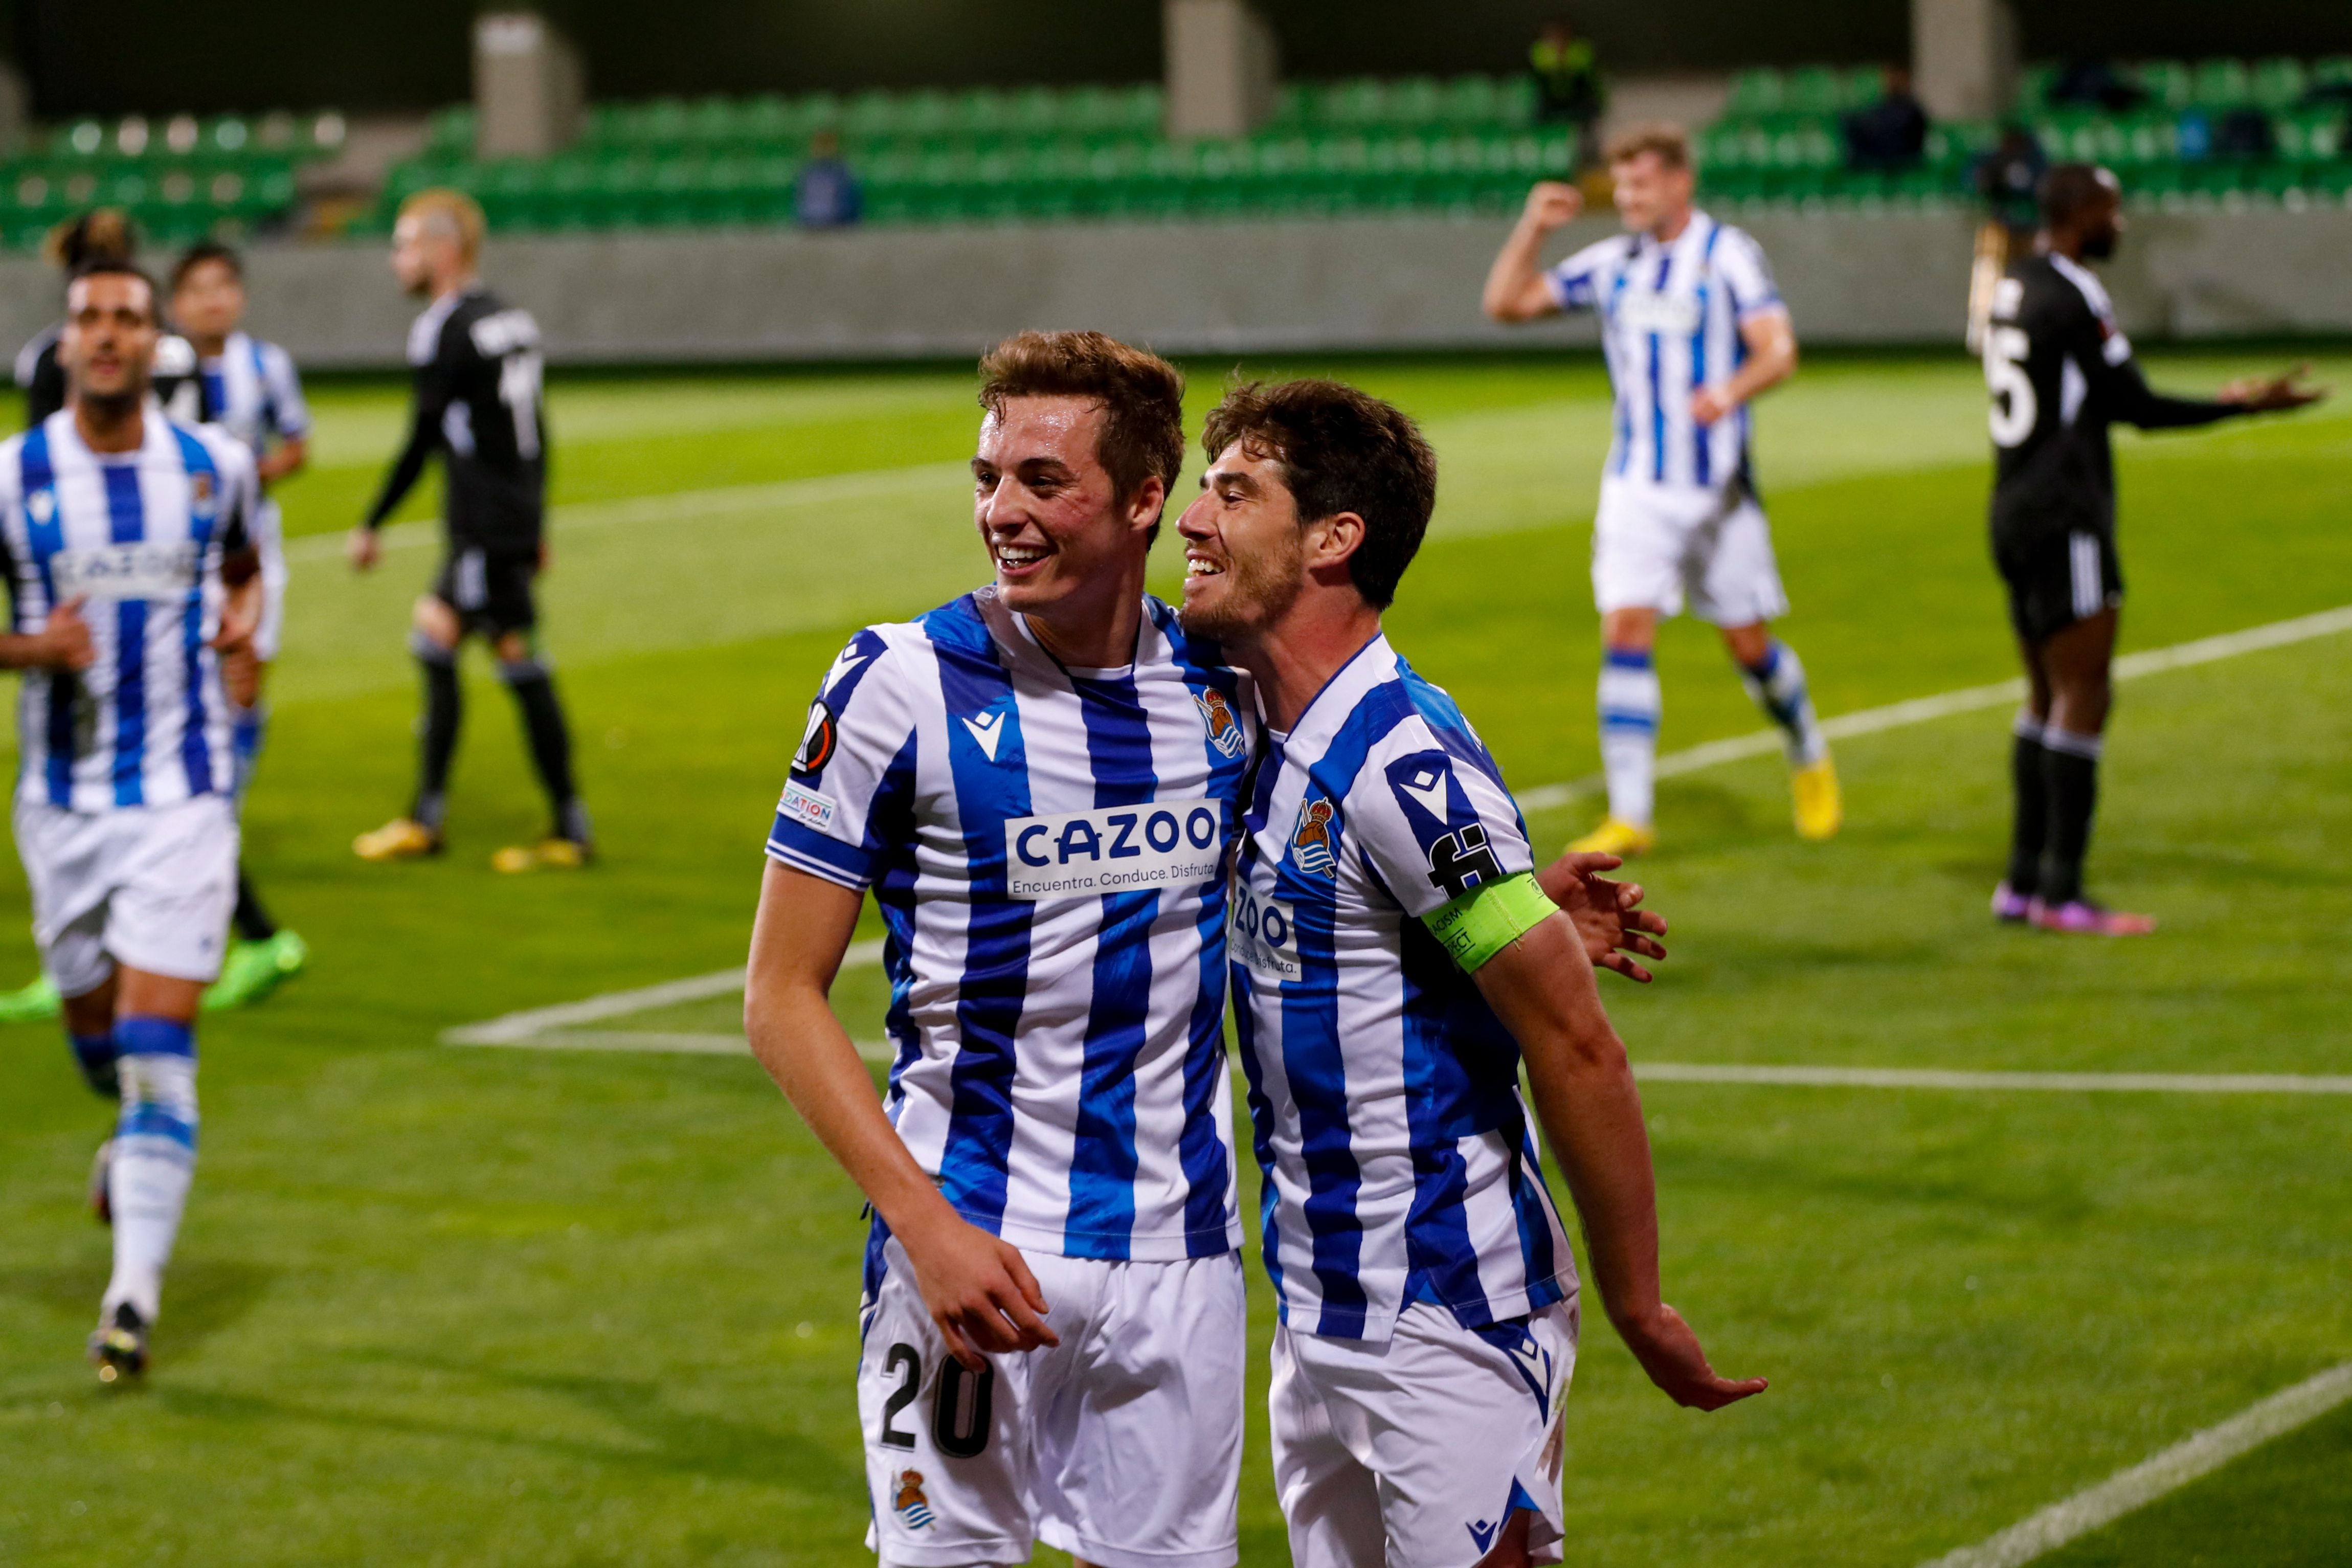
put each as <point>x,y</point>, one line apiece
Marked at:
<point>1335,539</point>
<point>1144,507</point>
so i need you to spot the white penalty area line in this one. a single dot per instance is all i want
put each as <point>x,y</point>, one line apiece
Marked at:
<point>1968,700</point>
<point>2193,1458</point>
<point>557,1028</point>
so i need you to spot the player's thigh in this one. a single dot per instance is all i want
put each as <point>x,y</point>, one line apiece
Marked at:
<point>510,607</point>
<point>70,862</point>
<point>947,1449</point>
<point>1733,575</point>
<point>1463,1429</point>
<point>1137,1431</point>
<point>2056,578</point>
<point>1639,538</point>
<point>170,911</point>
<point>1330,1498</point>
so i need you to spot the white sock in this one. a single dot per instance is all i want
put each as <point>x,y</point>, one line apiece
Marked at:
<point>1778,685</point>
<point>1630,705</point>
<point>154,1161</point>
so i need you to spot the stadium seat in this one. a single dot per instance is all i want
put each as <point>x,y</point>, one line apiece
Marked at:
<point>2219,84</point>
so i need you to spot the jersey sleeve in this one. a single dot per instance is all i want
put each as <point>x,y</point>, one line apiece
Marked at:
<point>1432,820</point>
<point>289,416</point>
<point>1576,283</point>
<point>844,808</point>
<point>2097,342</point>
<point>1747,276</point>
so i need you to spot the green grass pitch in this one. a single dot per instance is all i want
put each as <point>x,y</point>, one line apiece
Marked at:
<point>499,1307</point>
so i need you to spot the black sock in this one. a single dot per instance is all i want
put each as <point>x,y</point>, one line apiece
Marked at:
<point>437,735</point>
<point>253,921</point>
<point>551,742</point>
<point>2070,770</point>
<point>2031,826</point>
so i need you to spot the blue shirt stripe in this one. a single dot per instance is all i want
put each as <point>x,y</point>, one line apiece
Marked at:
<point>126,515</point>
<point>196,750</point>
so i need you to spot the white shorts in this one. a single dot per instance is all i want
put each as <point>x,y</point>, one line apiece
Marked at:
<point>148,886</point>
<point>1656,545</point>
<point>1417,1453</point>
<point>1122,1446</point>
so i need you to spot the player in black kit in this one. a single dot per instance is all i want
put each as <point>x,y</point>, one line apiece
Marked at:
<point>477,403</point>
<point>2061,370</point>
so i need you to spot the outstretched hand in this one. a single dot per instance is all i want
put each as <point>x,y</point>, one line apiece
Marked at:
<point>2270,393</point>
<point>979,1290</point>
<point>1609,919</point>
<point>1551,204</point>
<point>1670,1352</point>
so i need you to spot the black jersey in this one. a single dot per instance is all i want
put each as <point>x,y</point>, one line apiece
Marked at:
<point>477,403</point>
<point>178,379</point>
<point>2061,370</point>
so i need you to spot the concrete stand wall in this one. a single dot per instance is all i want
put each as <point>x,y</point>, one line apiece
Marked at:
<point>1401,283</point>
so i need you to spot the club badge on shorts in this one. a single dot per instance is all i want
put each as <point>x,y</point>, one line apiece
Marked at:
<point>1225,729</point>
<point>912,1508</point>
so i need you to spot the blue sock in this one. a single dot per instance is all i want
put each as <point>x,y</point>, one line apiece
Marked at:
<point>1777,682</point>
<point>94,1054</point>
<point>141,1036</point>
<point>1630,706</point>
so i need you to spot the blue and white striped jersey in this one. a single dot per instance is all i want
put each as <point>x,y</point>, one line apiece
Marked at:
<point>1384,1093</point>
<point>1047,846</point>
<point>1670,317</point>
<point>254,393</point>
<point>141,537</point>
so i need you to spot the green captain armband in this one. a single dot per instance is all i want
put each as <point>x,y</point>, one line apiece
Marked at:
<point>1485,921</point>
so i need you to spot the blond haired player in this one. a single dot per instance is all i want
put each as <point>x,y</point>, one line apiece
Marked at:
<point>478,404</point>
<point>1694,330</point>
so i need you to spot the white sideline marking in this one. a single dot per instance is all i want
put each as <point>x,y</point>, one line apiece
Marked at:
<point>1968,700</point>
<point>526,1027</point>
<point>2197,1455</point>
<point>1938,1078</point>
<point>518,1028</point>
<point>674,506</point>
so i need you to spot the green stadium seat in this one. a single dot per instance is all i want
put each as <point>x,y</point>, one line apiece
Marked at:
<point>1756,92</point>
<point>1865,85</point>
<point>2169,83</point>
<point>1815,89</point>
<point>1413,101</point>
<point>1473,103</point>
<point>2219,84</point>
<point>2279,83</point>
<point>2034,84</point>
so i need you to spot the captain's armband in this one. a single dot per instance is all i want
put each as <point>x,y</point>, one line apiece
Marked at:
<point>1487,919</point>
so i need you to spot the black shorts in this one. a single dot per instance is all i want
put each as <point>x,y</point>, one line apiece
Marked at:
<point>2057,578</point>
<point>490,589</point>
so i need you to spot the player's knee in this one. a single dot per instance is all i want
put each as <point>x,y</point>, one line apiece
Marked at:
<point>429,649</point>
<point>521,666</point>
<point>437,622</point>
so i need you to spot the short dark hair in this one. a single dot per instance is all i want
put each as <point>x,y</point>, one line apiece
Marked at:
<point>101,234</point>
<point>120,267</point>
<point>206,250</point>
<point>1339,450</point>
<point>1142,397</point>
<point>2068,189</point>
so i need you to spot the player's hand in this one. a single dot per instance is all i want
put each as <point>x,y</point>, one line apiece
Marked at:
<point>240,670</point>
<point>64,638</point>
<point>240,618</point>
<point>363,549</point>
<point>1551,204</point>
<point>979,1290</point>
<point>1707,406</point>
<point>1670,1354</point>
<point>2267,394</point>
<point>1608,916</point>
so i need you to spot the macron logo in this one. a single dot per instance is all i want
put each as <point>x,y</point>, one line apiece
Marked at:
<point>841,667</point>
<point>1429,788</point>
<point>987,731</point>
<point>1483,1533</point>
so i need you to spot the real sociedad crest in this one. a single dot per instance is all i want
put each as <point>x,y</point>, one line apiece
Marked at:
<point>1225,729</point>
<point>1313,841</point>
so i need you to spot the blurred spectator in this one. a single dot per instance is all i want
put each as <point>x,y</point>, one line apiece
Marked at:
<point>2096,84</point>
<point>828,197</point>
<point>2243,132</point>
<point>2008,176</point>
<point>1568,88</point>
<point>1891,134</point>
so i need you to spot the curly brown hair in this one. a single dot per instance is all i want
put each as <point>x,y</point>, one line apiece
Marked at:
<point>1142,396</point>
<point>1339,450</point>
